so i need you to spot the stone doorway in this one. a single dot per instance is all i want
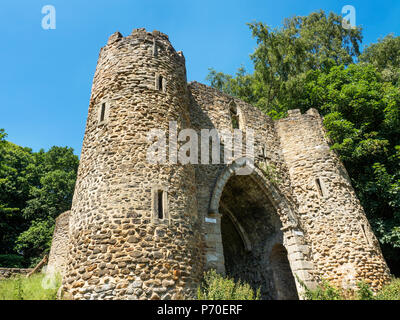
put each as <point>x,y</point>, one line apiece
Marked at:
<point>252,239</point>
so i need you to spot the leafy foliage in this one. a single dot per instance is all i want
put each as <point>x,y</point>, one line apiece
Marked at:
<point>37,239</point>
<point>364,291</point>
<point>284,56</point>
<point>390,292</point>
<point>324,291</point>
<point>384,55</point>
<point>35,187</point>
<point>12,261</point>
<point>14,189</point>
<point>217,287</point>
<point>312,62</point>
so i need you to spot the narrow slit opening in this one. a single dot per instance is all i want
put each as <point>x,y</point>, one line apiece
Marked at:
<point>364,233</point>
<point>160,83</point>
<point>234,118</point>
<point>102,112</point>
<point>319,187</point>
<point>160,205</point>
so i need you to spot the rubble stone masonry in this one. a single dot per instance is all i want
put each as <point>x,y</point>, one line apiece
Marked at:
<point>139,230</point>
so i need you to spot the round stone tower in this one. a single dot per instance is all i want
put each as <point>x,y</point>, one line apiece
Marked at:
<point>134,230</point>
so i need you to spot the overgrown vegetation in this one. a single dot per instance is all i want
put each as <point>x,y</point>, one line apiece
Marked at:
<point>12,261</point>
<point>390,291</point>
<point>35,187</point>
<point>217,287</point>
<point>327,291</point>
<point>32,288</point>
<point>324,291</point>
<point>270,172</point>
<point>312,62</point>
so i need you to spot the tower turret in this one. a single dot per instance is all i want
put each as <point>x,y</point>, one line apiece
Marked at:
<point>343,247</point>
<point>134,228</point>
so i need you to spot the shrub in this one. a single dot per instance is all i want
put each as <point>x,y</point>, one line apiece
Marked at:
<point>324,291</point>
<point>390,292</point>
<point>12,261</point>
<point>217,287</point>
<point>32,288</point>
<point>364,291</point>
<point>34,261</point>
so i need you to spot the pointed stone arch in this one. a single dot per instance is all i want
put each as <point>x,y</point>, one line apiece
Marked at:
<point>280,202</point>
<point>293,237</point>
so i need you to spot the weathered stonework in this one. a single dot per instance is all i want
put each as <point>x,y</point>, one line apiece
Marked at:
<point>59,246</point>
<point>344,248</point>
<point>148,231</point>
<point>6,273</point>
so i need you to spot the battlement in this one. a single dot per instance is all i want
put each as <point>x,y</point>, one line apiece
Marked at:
<point>295,114</point>
<point>141,60</point>
<point>142,33</point>
<point>154,38</point>
<point>139,33</point>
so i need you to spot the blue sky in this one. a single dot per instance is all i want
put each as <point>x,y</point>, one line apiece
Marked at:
<point>46,75</point>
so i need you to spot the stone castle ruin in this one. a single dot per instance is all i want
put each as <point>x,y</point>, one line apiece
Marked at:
<point>140,230</point>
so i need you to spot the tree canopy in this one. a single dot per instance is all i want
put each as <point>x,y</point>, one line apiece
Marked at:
<point>35,187</point>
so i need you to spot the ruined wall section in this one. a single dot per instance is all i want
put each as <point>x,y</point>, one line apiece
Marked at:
<point>343,246</point>
<point>209,109</point>
<point>120,248</point>
<point>7,273</point>
<point>59,245</point>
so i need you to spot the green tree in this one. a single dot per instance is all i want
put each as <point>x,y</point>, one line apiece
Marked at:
<point>55,173</point>
<point>283,57</point>
<point>385,56</point>
<point>52,195</point>
<point>14,190</point>
<point>35,187</point>
<point>36,240</point>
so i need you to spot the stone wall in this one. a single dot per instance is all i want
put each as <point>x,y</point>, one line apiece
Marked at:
<point>59,246</point>
<point>6,273</point>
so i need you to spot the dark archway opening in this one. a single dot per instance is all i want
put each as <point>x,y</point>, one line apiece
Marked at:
<point>252,240</point>
<point>283,278</point>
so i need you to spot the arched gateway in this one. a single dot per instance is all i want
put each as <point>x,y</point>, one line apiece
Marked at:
<point>256,248</point>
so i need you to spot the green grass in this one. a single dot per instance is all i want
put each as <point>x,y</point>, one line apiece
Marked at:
<point>390,292</point>
<point>32,288</point>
